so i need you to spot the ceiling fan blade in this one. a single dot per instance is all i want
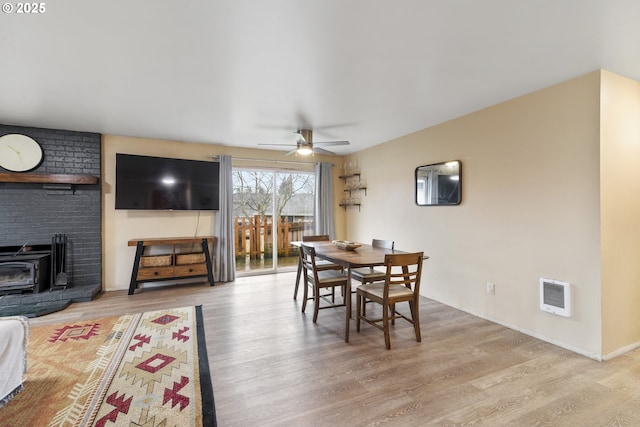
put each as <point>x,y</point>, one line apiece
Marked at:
<point>332,143</point>
<point>322,150</point>
<point>320,129</point>
<point>304,142</point>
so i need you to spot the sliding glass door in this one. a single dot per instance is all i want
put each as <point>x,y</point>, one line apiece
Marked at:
<point>272,208</point>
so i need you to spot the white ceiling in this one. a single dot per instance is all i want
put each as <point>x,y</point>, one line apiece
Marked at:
<point>244,72</point>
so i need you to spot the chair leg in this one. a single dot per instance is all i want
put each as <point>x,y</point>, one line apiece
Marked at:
<point>316,303</point>
<point>416,319</point>
<point>385,326</point>
<point>358,311</point>
<point>392,311</point>
<point>298,274</point>
<point>306,293</point>
<point>364,304</point>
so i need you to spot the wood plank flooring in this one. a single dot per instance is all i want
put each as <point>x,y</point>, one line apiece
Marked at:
<point>271,366</point>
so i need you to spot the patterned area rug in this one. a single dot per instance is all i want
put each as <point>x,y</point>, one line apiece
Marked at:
<point>145,369</point>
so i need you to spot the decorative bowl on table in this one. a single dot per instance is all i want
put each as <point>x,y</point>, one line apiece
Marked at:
<point>346,244</point>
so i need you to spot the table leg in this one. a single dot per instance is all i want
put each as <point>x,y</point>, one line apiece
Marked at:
<point>207,257</point>
<point>295,291</point>
<point>347,300</point>
<point>136,264</point>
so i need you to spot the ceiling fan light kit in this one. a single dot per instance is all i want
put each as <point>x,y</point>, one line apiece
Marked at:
<point>304,149</point>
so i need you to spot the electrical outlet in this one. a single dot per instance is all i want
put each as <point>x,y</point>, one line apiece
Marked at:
<point>491,288</point>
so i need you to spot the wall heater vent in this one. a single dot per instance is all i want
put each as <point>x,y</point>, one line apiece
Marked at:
<point>555,297</point>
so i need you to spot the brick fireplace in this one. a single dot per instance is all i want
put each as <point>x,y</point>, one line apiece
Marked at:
<point>32,213</point>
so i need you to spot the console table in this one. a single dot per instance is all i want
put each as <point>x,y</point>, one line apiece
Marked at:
<point>171,265</point>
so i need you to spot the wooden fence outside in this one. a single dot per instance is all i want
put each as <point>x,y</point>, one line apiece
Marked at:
<point>254,235</point>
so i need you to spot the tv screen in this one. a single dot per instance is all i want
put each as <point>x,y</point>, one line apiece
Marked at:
<point>144,182</point>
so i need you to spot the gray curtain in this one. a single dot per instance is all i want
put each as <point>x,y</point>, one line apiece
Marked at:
<point>223,251</point>
<point>323,207</point>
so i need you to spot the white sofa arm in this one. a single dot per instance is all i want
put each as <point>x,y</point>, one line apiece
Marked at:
<point>14,338</point>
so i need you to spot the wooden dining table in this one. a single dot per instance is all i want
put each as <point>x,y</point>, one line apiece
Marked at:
<point>365,255</point>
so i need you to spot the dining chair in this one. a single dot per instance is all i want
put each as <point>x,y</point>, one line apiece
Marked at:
<point>321,264</point>
<point>318,279</point>
<point>370,274</point>
<point>401,284</point>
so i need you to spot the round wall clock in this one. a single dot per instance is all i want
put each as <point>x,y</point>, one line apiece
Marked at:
<point>19,153</point>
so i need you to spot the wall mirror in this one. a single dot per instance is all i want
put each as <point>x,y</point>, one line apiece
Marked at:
<point>438,184</point>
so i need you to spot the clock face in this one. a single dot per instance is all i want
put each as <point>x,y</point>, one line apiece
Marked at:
<point>19,153</point>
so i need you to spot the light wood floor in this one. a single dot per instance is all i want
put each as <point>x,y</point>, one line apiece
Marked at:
<point>271,366</point>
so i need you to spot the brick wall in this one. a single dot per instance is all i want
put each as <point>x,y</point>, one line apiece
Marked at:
<point>34,213</point>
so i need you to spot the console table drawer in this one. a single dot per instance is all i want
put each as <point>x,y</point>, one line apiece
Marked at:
<point>155,273</point>
<point>190,270</point>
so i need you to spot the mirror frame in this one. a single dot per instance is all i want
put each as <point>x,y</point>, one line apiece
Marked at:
<point>420,198</point>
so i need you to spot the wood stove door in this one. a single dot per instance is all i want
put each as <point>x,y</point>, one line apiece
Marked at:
<point>17,275</point>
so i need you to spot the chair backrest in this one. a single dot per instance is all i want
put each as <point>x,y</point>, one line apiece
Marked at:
<point>308,257</point>
<point>379,243</point>
<point>408,274</point>
<point>317,238</point>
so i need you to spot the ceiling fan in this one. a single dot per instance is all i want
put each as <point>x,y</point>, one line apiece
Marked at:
<point>305,145</point>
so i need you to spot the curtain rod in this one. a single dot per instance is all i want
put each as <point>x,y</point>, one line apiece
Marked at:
<point>216,157</point>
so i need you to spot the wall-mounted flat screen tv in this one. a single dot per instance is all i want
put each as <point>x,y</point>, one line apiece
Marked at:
<point>145,182</point>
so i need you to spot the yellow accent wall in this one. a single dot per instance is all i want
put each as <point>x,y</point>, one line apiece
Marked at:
<point>620,211</point>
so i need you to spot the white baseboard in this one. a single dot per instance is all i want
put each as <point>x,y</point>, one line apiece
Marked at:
<point>581,351</point>
<point>621,351</point>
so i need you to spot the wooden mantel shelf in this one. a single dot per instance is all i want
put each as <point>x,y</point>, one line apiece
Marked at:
<point>48,178</point>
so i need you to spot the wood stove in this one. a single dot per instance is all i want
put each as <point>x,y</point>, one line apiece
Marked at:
<point>24,272</point>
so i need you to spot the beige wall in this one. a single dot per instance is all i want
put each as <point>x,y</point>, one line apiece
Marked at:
<point>120,226</point>
<point>530,209</point>
<point>620,207</point>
